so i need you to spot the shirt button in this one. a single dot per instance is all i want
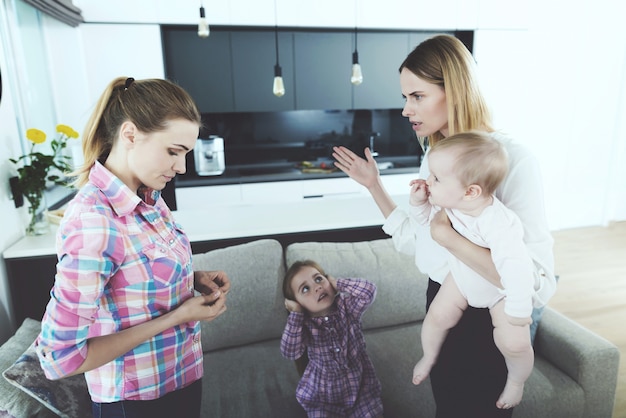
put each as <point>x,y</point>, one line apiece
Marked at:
<point>325,318</point>
<point>195,339</point>
<point>162,250</point>
<point>337,349</point>
<point>172,241</point>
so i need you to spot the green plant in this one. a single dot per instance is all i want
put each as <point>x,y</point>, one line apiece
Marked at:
<point>36,166</point>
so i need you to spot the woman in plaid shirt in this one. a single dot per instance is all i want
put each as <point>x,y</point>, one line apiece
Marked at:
<point>325,323</point>
<point>123,309</point>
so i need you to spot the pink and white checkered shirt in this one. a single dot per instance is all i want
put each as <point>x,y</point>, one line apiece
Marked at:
<point>122,261</point>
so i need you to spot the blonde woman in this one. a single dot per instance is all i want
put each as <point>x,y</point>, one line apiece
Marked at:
<point>439,84</point>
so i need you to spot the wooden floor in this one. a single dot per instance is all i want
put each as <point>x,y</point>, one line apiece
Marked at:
<point>591,263</point>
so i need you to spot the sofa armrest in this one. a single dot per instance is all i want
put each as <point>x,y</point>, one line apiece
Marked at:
<point>589,359</point>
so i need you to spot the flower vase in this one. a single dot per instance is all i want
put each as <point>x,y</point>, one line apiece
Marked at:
<point>37,212</point>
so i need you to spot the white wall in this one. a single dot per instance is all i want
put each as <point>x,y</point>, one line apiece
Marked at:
<point>10,146</point>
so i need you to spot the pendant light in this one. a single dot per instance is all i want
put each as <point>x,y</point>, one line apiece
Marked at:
<point>203,25</point>
<point>357,74</point>
<point>279,87</point>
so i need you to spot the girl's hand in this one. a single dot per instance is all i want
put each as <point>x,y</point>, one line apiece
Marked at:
<point>418,193</point>
<point>333,281</point>
<point>292,306</point>
<point>363,171</point>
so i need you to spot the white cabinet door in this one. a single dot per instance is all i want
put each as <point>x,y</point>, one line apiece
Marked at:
<point>193,198</point>
<point>271,192</point>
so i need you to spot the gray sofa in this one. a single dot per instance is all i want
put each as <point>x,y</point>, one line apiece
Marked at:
<point>245,375</point>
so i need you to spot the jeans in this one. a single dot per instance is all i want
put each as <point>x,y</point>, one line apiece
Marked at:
<point>184,402</point>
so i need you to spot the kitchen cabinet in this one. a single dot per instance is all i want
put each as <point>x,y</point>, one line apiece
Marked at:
<point>30,282</point>
<point>284,192</point>
<point>233,69</point>
<point>390,14</point>
<point>202,66</point>
<point>380,56</point>
<point>323,64</point>
<point>253,59</point>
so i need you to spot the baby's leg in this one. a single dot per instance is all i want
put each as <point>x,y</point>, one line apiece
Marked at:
<point>444,313</point>
<point>513,341</point>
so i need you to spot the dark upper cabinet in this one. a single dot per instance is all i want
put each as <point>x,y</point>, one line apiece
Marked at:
<point>254,57</point>
<point>202,66</point>
<point>323,63</point>
<point>380,56</point>
<point>233,69</point>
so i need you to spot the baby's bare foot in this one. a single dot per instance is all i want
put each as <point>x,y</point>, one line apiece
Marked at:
<point>511,396</point>
<point>422,370</point>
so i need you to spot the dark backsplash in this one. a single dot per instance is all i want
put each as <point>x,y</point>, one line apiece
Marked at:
<point>309,135</point>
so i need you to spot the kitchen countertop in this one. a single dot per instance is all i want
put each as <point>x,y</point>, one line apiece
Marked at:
<point>281,171</point>
<point>247,220</point>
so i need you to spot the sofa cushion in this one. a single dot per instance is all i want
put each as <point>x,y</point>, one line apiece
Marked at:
<point>255,307</point>
<point>401,286</point>
<point>13,401</point>
<point>67,397</point>
<point>250,381</point>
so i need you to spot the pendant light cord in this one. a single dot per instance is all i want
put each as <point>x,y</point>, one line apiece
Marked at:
<point>276,31</point>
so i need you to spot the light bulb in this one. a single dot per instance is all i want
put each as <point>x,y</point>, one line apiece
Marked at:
<point>203,25</point>
<point>357,75</point>
<point>279,86</point>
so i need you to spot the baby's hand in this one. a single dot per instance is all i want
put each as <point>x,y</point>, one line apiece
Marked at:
<point>418,193</point>
<point>292,306</point>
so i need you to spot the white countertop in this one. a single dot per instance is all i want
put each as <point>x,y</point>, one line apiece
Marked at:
<point>247,220</point>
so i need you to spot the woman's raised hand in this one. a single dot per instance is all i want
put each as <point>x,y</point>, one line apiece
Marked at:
<point>363,171</point>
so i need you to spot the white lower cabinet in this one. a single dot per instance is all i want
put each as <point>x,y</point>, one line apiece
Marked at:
<point>190,198</point>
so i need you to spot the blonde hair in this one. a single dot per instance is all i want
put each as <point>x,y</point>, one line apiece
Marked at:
<point>149,104</point>
<point>480,159</point>
<point>295,269</point>
<point>444,60</point>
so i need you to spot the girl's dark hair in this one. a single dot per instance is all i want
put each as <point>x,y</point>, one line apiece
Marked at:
<point>149,104</point>
<point>295,269</point>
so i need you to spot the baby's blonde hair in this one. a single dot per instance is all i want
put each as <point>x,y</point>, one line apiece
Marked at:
<point>480,159</point>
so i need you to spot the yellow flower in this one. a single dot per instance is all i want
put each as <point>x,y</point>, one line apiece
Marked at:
<point>67,131</point>
<point>35,135</point>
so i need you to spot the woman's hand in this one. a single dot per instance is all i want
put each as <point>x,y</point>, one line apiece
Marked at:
<point>474,256</point>
<point>292,306</point>
<point>207,282</point>
<point>363,171</point>
<point>441,229</point>
<point>201,308</point>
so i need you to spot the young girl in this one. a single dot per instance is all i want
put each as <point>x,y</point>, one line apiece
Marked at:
<point>465,170</point>
<point>325,323</point>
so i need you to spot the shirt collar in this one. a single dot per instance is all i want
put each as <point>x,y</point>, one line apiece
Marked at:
<point>123,199</point>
